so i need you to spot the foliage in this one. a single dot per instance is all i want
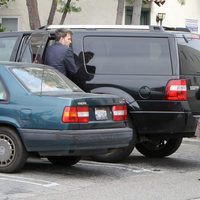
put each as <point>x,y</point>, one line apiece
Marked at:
<point>71,7</point>
<point>4,2</point>
<point>2,29</point>
<point>132,1</point>
<point>182,2</point>
<point>67,7</point>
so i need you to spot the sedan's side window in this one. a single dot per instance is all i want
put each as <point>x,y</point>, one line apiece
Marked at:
<point>3,93</point>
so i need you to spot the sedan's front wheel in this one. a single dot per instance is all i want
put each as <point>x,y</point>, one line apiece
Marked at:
<point>12,152</point>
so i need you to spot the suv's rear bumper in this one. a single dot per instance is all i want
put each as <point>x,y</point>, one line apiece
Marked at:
<point>181,124</point>
<point>65,142</point>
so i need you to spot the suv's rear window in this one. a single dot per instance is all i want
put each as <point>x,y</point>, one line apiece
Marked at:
<point>6,47</point>
<point>189,54</point>
<point>128,55</point>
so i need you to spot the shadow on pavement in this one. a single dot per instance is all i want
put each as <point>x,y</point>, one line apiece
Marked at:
<point>171,163</point>
<point>80,170</point>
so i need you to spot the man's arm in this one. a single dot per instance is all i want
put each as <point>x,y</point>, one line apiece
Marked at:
<point>70,62</point>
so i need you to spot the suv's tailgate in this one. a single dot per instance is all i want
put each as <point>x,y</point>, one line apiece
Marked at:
<point>189,57</point>
<point>194,93</point>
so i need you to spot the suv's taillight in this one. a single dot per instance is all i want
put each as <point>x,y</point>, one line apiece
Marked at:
<point>78,114</point>
<point>119,113</point>
<point>176,90</point>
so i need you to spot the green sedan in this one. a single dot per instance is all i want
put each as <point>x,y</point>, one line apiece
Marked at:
<point>43,113</point>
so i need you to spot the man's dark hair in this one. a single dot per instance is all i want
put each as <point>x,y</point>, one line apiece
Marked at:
<point>61,32</point>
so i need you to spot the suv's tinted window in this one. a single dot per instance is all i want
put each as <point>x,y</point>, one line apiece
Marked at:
<point>189,53</point>
<point>35,47</point>
<point>6,47</point>
<point>128,55</point>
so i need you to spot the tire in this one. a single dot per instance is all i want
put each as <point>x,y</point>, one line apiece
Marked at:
<point>12,152</point>
<point>120,154</point>
<point>64,160</point>
<point>158,149</point>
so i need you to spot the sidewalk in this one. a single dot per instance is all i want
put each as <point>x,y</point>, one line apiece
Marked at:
<point>193,140</point>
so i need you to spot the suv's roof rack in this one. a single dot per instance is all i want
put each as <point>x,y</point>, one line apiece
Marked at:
<point>183,29</point>
<point>43,27</point>
<point>135,27</point>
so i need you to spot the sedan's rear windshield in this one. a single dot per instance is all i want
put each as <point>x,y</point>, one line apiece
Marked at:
<point>44,81</point>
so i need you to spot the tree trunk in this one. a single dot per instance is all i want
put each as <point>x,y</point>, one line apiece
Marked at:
<point>66,8</point>
<point>137,7</point>
<point>120,11</point>
<point>52,12</point>
<point>34,19</point>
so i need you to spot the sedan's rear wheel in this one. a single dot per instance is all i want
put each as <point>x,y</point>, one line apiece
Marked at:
<point>117,155</point>
<point>159,148</point>
<point>64,160</point>
<point>12,152</point>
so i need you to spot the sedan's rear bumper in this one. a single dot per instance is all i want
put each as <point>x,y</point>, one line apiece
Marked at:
<point>79,142</point>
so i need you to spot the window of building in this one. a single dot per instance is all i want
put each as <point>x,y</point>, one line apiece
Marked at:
<point>144,19</point>
<point>10,23</point>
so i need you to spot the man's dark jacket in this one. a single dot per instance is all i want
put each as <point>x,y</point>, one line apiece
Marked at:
<point>62,58</point>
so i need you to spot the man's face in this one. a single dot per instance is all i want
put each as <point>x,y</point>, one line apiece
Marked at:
<point>67,40</point>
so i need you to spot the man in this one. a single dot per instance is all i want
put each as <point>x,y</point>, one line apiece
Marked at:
<point>60,55</point>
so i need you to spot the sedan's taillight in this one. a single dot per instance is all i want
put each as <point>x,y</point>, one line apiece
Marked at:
<point>119,113</point>
<point>176,90</point>
<point>76,114</point>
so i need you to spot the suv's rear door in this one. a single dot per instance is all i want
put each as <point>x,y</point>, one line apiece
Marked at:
<point>189,58</point>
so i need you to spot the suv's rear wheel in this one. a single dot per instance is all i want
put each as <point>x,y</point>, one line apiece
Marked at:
<point>117,155</point>
<point>12,152</point>
<point>159,148</point>
<point>64,160</point>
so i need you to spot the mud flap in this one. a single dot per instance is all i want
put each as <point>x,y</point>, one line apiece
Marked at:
<point>197,132</point>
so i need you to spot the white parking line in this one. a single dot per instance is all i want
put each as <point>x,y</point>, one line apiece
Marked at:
<point>39,182</point>
<point>118,166</point>
<point>27,180</point>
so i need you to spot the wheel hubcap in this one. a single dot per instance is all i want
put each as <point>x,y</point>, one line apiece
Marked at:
<point>7,150</point>
<point>156,145</point>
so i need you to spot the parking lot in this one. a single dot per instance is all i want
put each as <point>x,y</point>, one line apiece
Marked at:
<point>175,177</point>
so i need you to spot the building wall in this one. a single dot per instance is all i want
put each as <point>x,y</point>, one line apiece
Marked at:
<point>104,12</point>
<point>92,12</point>
<point>176,14</point>
<point>16,9</point>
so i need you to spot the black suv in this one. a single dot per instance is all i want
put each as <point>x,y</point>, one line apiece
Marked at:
<point>157,72</point>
